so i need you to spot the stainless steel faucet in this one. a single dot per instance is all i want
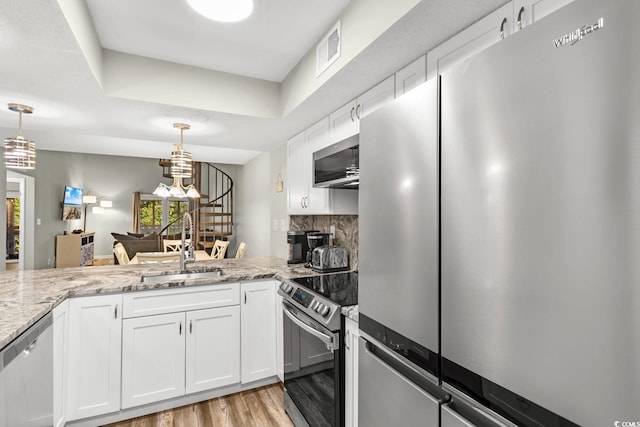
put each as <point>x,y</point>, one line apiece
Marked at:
<point>184,260</point>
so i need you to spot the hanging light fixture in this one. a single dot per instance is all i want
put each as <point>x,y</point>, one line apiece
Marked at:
<point>20,153</point>
<point>181,167</point>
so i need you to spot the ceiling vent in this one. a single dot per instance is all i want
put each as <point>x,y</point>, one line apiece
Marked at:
<point>328,50</point>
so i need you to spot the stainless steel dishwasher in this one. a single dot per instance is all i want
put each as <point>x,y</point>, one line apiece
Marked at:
<point>26,377</point>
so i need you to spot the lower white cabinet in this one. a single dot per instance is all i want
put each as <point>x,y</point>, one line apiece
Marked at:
<point>352,333</point>
<point>213,348</point>
<point>93,381</point>
<point>60,356</point>
<point>152,359</point>
<point>258,330</point>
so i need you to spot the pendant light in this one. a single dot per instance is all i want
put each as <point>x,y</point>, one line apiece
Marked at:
<point>20,153</point>
<point>181,167</point>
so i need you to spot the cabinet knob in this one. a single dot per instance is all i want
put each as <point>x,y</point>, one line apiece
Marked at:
<point>115,312</point>
<point>358,107</point>
<point>180,328</point>
<point>353,109</point>
<point>190,326</point>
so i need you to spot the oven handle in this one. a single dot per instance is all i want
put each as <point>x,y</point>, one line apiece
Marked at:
<point>326,339</point>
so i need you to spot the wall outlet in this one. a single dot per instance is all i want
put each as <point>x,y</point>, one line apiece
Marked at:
<point>274,225</point>
<point>49,261</point>
<point>283,225</point>
<point>332,230</point>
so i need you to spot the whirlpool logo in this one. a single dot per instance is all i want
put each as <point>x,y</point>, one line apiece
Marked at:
<point>626,423</point>
<point>577,35</point>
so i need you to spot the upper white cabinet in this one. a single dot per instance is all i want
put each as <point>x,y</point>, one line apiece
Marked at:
<point>411,76</point>
<point>95,327</point>
<point>258,330</point>
<point>484,33</point>
<point>526,12</point>
<point>345,121</point>
<point>303,197</point>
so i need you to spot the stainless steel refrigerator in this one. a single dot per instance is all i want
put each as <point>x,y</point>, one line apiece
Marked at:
<point>398,262</point>
<point>540,221</point>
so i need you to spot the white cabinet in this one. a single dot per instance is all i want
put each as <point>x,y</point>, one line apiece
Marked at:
<point>526,12</point>
<point>345,121</point>
<point>352,333</point>
<point>179,341</point>
<point>95,328</point>
<point>258,330</point>
<point>484,33</point>
<point>60,358</point>
<point>303,197</point>
<point>152,359</point>
<point>212,348</point>
<point>411,76</point>
<point>279,338</point>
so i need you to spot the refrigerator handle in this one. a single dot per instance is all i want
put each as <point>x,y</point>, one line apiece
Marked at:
<point>396,363</point>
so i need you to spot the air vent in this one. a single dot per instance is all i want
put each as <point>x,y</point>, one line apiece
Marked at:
<point>328,50</point>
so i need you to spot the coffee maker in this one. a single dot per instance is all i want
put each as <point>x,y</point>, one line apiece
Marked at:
<point>315,239</point>
<point>299,246</point>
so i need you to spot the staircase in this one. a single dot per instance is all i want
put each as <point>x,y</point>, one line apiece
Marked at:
<point>213,212</point>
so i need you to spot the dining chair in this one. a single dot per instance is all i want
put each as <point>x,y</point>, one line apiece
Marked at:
<point>173,245</point>
<point>242,248</point>
<point>156,257</point>
<point>121,254</point>
<point>219,249</point>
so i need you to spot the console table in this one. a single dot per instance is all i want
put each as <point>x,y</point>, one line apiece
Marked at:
<point>74,250</point>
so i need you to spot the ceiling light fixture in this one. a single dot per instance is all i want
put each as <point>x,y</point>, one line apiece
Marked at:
<point>223,10</point>
<point>181,167</point>
<point>20,153</point>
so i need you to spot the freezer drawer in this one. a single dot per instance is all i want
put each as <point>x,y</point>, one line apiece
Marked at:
<point>387,398</point>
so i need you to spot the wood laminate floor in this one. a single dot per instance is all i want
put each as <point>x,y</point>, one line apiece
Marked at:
<point>260,407</point>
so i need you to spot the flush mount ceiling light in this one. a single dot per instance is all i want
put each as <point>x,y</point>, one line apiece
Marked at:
<point>181,167</point>
<point>223,10</point>
<point>20,153</point>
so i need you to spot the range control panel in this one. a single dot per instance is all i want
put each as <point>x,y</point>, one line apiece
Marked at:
<point>302,297</point>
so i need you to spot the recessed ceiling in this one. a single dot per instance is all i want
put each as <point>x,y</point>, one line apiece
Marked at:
<point>266,45</point>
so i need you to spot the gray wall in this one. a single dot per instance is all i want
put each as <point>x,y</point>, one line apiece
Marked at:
<point>252,222</point>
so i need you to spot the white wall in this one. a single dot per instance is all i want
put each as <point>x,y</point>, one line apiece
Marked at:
<point>279,213</point>
<point>253,219</point>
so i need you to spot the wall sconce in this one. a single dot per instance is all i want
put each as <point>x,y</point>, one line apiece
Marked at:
<point>279,184</point>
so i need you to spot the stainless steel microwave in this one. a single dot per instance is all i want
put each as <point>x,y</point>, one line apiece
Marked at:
<point>338,165</point>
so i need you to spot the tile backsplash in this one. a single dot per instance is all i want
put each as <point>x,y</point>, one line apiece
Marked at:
<point>346,230</point>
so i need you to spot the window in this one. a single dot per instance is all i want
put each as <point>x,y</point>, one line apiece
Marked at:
<point>156,212</point>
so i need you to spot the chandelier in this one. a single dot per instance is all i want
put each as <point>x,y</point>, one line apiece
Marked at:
<point>20,153</point>
<point>181,167</point>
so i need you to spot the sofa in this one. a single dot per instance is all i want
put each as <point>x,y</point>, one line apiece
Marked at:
<point>134,243</point>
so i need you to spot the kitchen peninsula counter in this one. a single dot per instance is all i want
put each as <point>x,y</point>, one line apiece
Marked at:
<point>26,296</point>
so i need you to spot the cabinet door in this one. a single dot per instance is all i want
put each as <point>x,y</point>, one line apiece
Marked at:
<point>213,348</point>
<point>60,357</point>
<point>343,122</point>
<point>298,172</point>
<point>95,329</point>
<point>526,12</point>
<point>317,138</point>
<point>152,358</point>
<point>375,98</point>
<point>411,76</point>
<point>258,330</point>
<point>279,338</point>
<point>351,373</point>
<point>484,33</point>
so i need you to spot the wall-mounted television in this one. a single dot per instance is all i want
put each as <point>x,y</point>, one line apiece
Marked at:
<point>72,203</point>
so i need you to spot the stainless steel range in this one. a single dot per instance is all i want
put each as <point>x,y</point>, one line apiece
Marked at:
<point>314,361</point>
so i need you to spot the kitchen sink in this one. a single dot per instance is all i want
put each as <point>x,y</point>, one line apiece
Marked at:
<point>187,275</point>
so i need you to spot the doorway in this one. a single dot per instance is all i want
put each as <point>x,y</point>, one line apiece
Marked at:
<point>20,223</point>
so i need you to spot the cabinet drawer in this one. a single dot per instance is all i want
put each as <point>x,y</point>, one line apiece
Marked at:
<point>136,304</point>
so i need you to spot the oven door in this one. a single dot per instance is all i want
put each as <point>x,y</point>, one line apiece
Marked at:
<point>312,371</point>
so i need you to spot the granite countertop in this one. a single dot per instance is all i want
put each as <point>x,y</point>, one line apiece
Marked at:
<point>26,296</point>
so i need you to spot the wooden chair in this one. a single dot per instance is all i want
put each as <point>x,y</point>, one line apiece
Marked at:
<point>173,245</point>
<point>121,254</point>
<point>242,248</point>
<point>155,257</point>
<point>219,249</point>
